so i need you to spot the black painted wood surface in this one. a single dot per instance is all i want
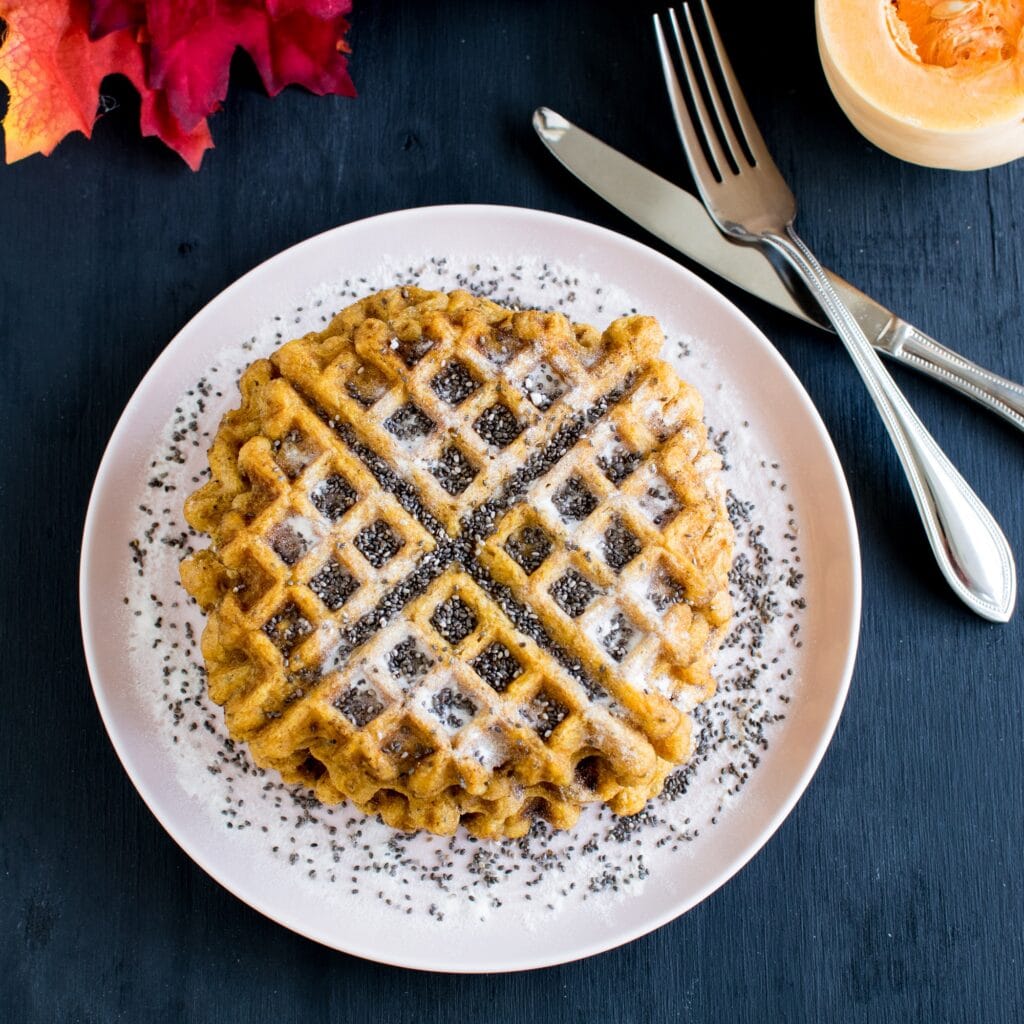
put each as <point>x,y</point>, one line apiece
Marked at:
<point>893,892</point>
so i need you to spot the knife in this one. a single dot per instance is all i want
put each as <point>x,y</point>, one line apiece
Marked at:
<point>679,219</point>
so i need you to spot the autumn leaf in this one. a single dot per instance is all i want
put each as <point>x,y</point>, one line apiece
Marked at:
<point>156,119</point>
<point>191,43</point>
<point>110,15</point>
<point>53,72</point>
<point>177,54</point>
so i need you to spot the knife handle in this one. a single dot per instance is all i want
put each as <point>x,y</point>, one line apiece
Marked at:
<point>913,347</point>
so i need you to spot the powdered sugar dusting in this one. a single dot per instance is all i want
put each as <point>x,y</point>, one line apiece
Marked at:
<point>359,861</point>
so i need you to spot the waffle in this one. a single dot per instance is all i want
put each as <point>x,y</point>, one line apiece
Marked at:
<point>468,564</point>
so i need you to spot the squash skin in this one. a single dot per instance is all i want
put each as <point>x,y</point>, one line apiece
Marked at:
<point>958,118</point>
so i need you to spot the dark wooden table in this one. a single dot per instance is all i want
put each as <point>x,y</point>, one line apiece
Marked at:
<point>894,890</point>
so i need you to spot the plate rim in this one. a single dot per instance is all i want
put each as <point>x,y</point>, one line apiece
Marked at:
<point>735,863</point>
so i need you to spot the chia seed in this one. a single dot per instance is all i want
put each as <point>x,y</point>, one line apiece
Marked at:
<point>454,384</point>
<point>454,620</point>
<point>574,500</point>
<point>287,628</point>
<point>497,425</point>
<point>452,708</point>
<point>333,497</point>
<point>619,464</point>
<point>665,591</point>
<point>408,661</point>
<point>454,471</point>
<point>529,547</point>
<point>545,713</point>
<point>621,545</point>
<point>572,593</point>
<point>618,639</point>
<point>543,387</point>
<point>378,543</point>
<point>409,422</point>
<point>665,502</point>
<point>361,703</point>
<point>497,666</point>
<point>333,584</point>
<point>407,748</point>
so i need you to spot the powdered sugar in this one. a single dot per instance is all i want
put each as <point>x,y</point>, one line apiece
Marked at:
<point>355,860</point>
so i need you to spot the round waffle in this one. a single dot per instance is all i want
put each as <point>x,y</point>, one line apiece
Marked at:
<point>468,564</point>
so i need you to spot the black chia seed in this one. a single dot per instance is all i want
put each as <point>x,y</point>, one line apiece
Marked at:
<point>618,639</point>
<point>287,628</point>
<point>454,384</point>
<point>452,708</point>
<point>454,620</point>
<point>661,494</point>
<point>378,543</point>
<point>409,423</point>
<point>333,584</point>
<point>497,425</point>
<point>619,464</point>
<point>545,713</point>
<point>665,591</point>
<point>497,666</point>
<point>621,545</point>
<point>529,547</point>
<point>543,387</point>
<point>361,703</point>
<point>333,497</point>
<point>573,592</point>
<point>574,500</point>
<point>454,471</point>
<point>408,661</point>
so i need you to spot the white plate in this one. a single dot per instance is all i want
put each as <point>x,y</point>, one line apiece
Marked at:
<point>748,389</point>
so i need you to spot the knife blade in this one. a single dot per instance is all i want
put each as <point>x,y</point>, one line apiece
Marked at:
<point>678,218</point>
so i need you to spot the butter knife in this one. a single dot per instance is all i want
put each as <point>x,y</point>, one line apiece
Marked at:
<point>679,219</point>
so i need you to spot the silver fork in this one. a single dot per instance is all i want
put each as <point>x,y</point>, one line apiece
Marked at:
<point>751,202</point>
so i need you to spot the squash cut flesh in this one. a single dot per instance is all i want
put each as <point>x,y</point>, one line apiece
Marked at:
<point>967,34</point>
<point>936,82</point>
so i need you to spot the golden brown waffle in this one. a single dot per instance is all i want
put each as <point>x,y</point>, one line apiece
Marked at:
<point>468,564</point>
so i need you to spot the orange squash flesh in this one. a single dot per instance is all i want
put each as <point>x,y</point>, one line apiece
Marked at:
<point>935,82</point>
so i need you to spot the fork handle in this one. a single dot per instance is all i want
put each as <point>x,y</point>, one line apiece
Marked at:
<point>914,347</point>
<point>968,544</point>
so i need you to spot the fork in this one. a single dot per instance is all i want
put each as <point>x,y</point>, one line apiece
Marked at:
<point>750,201</point>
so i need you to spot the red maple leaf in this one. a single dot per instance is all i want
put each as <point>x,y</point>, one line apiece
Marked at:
<point>110,15</point>
<point>53,72</point>
<point>191,43</point>
<point>177,54</point>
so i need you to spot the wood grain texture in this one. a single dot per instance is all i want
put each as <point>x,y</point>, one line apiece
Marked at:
<point>894,890</point>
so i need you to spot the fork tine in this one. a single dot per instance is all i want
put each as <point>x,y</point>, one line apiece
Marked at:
<point>725,125</point>
<point>704,117</point>
<point>701,164</point>
<point>752,138</point>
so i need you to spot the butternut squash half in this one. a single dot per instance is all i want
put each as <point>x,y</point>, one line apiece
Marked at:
<point>935,82</point>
